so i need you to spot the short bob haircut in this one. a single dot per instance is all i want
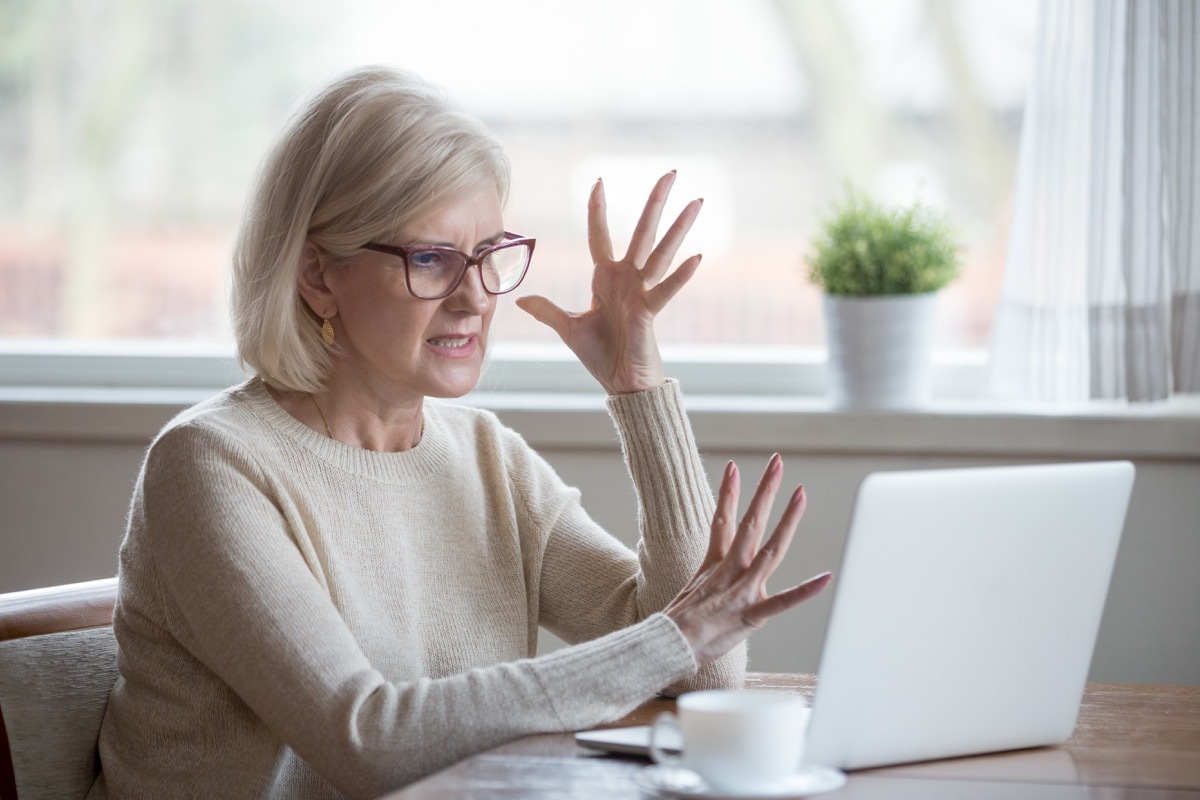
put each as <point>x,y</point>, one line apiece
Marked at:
<point>373,151</point>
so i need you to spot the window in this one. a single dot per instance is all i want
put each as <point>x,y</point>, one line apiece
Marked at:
<point>129,136</point>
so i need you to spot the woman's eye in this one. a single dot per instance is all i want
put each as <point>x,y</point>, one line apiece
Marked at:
<point>426,259</point>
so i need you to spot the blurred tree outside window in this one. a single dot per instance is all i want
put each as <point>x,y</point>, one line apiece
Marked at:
<point>131,129</point>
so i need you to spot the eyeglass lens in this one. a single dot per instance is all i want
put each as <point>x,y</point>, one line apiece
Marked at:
<point>433,273</point>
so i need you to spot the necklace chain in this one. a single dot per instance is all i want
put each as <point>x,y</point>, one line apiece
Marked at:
<point>328,432</point>
<point>324,421</point>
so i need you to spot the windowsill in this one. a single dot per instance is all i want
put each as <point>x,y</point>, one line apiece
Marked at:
<point>577,420</point>
<point>124,393</point>
<point>810,424</point>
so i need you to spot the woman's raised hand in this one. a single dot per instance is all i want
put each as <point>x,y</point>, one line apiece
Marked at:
<point>615,337</point>
<point>727,598</point>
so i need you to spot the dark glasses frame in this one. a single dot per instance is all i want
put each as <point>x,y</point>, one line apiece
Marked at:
<point>510,240</point>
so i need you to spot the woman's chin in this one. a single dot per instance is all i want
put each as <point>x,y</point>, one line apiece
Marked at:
<point>450,387</point>
<point>449,394</point>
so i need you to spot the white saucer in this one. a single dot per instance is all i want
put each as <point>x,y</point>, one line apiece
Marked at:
<point>683,783</point>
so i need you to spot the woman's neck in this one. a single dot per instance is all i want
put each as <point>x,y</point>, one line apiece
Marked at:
<point>357,419</point>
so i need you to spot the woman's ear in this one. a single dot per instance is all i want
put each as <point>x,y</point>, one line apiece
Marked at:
<point>311,282</point>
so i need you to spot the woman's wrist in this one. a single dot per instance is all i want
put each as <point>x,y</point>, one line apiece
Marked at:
<point>634,398</point>
<point>635,388</point>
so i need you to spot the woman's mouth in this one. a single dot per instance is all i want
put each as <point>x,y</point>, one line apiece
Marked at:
<point>454,346</point>
<point>452,342</point>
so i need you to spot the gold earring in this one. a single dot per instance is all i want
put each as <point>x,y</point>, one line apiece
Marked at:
<point>327,333</point>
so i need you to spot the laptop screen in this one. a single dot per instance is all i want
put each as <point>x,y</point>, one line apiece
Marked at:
<point>966,611</point>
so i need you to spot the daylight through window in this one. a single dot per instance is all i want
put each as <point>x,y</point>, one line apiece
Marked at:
<point>129,134</point>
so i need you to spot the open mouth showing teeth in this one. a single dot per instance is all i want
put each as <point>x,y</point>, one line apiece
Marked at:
<point>450,342</point>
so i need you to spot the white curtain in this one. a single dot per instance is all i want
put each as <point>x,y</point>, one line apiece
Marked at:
<point>1102,285</point>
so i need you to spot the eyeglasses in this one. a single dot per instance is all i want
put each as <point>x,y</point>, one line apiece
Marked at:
<point>432,272</point>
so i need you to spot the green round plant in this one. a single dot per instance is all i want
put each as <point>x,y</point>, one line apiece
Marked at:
<point>864,248</point>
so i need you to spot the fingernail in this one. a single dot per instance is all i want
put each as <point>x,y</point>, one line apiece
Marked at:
<point>729,468</point>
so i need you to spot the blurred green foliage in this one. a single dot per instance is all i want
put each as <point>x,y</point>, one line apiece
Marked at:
<point>865,248</point>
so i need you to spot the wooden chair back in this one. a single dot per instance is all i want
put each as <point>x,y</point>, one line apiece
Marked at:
<point>57,664</point>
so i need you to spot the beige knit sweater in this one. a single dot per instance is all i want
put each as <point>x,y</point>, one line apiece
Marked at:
<point>298,618</point>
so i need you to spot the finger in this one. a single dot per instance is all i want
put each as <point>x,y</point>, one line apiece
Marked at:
<point>658,297</point>
<point>664,252</point>
<point>599,241</point>
<point>647,225</point>
<point>758,613</point>
<point>724,520</point>
<point>546,312</point>
<point>749,533</point>
<point>772,553</point>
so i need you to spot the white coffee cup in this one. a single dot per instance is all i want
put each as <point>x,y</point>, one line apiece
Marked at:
<point>737,741</point>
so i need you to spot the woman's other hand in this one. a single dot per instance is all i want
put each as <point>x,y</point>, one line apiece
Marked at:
<point>727,598</point>
<point>615,337</point>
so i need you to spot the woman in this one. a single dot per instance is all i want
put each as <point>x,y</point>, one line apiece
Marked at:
<point>332,580</point>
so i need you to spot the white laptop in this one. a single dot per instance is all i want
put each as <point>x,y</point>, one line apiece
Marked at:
<point>965,613</point>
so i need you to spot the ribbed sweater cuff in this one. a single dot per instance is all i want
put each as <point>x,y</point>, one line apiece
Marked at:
<point>660,450</point>
<point>610,676</point>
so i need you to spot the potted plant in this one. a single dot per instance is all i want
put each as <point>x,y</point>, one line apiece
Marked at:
<point>880,269</point>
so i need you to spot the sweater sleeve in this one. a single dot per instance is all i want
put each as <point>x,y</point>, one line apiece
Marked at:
<point>591,584</point>
<point>240,598</point>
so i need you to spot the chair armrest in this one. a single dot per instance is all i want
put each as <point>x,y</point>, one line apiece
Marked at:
<point>58,608</point>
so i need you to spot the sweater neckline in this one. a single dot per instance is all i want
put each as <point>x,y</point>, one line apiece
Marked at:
<point>430,456</point>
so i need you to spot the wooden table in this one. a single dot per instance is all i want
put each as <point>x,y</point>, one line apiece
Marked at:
<point>1139,742</point>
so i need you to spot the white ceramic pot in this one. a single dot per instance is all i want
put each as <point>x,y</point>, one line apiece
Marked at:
<point>880,350</point>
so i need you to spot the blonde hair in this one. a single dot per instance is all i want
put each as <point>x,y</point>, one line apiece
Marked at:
<point>371,152</point>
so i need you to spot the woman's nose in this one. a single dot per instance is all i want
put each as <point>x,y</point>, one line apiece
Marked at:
<point>470,294</point>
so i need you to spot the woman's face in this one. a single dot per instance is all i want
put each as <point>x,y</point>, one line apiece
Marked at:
<point>400,345</point>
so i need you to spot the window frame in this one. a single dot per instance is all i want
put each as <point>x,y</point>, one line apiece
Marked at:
<point>746,400</point>
<point>512,369</point>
